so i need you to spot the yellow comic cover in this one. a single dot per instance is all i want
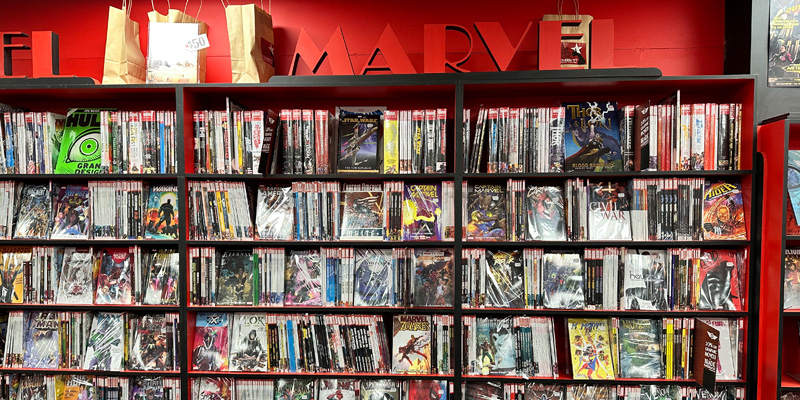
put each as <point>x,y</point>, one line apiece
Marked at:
<point>590,349</point>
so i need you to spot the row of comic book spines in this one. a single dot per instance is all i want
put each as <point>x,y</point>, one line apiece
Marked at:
<point>54,387</point>
<point>539,391</point>
<point>330,389</point>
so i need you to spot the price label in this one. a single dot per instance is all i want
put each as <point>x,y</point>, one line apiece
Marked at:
<point>197,43</point>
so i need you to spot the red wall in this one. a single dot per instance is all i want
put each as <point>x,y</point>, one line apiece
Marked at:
<point>682,37</point>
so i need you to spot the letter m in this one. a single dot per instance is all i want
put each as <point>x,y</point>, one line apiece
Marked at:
<point>335,51</point>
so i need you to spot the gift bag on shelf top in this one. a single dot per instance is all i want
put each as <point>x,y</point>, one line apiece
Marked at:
<point>575,51</point>
<point>176,47</point>
<point>252,43</point>
<point>123,62</point>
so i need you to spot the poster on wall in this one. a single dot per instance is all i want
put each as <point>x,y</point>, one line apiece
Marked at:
<point>784,43</point>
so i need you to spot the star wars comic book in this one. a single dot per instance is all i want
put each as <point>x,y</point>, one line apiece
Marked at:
<point>105,348</point>
<point>41,340</point>
<point>645,280</point>
<point>32,387</point>
<point>13,260</point>
<point>33,217</point>
<point>433,280</point>
<point>791,279</point>
<point>504,279</point>
<point>295,389</point>
<point>249,342</point>
<point>496,346</point>
<point>114,277</point>
<point>213,388</point>
<point>149,347</point>
<point>590,349</point>
<point>337,389</point>
<point>303,279</point>
<point>422,212</point>
<point>427,389</point>
<point>545,209</point>
<point>609,211</point>
<point>71,219</point>
<point>562,281</point>
<point>383,389</point>
<point>362,212</point>
<point>538,391</point>
<point>274,213</point>
<point>235,284</point>
<point>591,137</point>
<point>411,344</point>
<point>210,351</point>
<point>640,348</point>
<point>486,205</point>
<point>483,391</point>
<point>147,388</point>
<point>360,132</point>
<point>162,281</point>
<point>374,278</point>
<point>76,285</point>
<point>719,276</point>
<point>161,213</point>
<point>723,212</point>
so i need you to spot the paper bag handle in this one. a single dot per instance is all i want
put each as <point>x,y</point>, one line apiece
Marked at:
<point>560,5</point>
<point>185,6</point>
<point>127,6</point>
<point>269,3</point>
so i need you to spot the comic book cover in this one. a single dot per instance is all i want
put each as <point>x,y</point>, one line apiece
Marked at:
<point>729,393</point>
<point>76,285</point>
<point>337,389</point>
<point>274,213</point>
<point>295,389</point>
<point>33,216</point>
<point>609,211</point>
<point>723,212</point>
<point>210,351</point>
<point>411,346</point>
<point>80,150</point>
<point>720,280</point>
<point>427,390</point>
<point>728,354</point>
<point>114,277</point>
<point>791,279</point>
<point>655,392</point>
<point>11,273</point>
<point>213,388</point>
<point>433,280</point>
<point>545,209</point>
<point>249,342</point>
<point>41,340</point>
<point>496,346</point>
<point>783,68</point>
<point>147,388</point>
<point>504,279</point>
<point>235,284</point>
<point>162,282</point>
<point>374,278</point>
<point>422,212</point>
<point>793,180</point>
<point>640,348</point>
<point>591,137</point>
<point>161,213</point>
<point>359,141</point>
<point>792,226</point>
<point>303,279</point>
<point>71,219</point>
<point>74,387</point>
<point>483,391</point>
<point>590,349</point>
<point>105,347</point>
<point>539,391</point>
<point>486,205</point>
<point>562,281</point>
<point>148,347</point>
<point>32,387</point>
<point>645,280</point>
<point>383,389</point>
<point>362,212</point>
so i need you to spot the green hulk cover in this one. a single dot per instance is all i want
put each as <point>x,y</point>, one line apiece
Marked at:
<point>80,144</point>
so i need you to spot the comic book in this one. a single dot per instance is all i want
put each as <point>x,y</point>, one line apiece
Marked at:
<point>114,277</point>
<point>295,389</point>
<point>337,389</point>
<point>148,346</point>
<point>76,285</point>
<point>483,391</point>
<point>422,212</point>
<point>562,281</point>
<point>41,340</point>
<point>609,211</point>
<point>383,389</point>
<point>235,284</point>
<point>496,346</point>
<point>545,209</point>
<point>433,280</point>
<point>504,279</point>
<point>728,354</point>
<point>645,280</point>
<point>74,387</point>
<point>781,50</point>
<point>538,391</point>
<point>161,213</point>
<point>793,181</point>
<point>72,213</point>
<point>362,212</point>
<point>11,273</point>
<point>719,277</point>
<point>359,140</point>
<point>33,216</point>
<point>723,212</point>
<point>792,226</point>
<point>213,388</point>
<point>411,346</point>
<point>80,151</point>
<point>210,351</point>
<point>105,348</point>
<point>162,281</point>
<point>591,137</point>
<point>303,279</point>
<point>590,349</point>
<point>486,205</point>
<point>147,388</point>
<point>655,392</point>
<point>32,387</point>
<point>249,344</point>
<point>274,213</point>
<point>640,348</point>
<point>374,278</point>
<point>427,390</point>
<point>791,279</point>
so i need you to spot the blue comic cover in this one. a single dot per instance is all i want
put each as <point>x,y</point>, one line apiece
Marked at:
<point>71,220</point>
<point>303,279</point>
<point>486,205</point>
<point>161,213</point>
<point>41,340</point>
<point>374,278</point>
<point>422,212</point>
<point>496,346</point>
<point>359,140</point>
<point>591,137</point>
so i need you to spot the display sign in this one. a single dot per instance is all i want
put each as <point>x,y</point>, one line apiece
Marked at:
<point>784,44</point>
<point>44,45</point>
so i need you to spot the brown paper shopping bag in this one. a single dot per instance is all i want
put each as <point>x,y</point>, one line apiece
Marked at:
<point>169,59</point>
<point>252,43</point>
<point>123,62</point>
<point>575,52</point>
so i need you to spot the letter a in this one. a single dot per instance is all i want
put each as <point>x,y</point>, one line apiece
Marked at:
<point>335,51</point>
<point>396,58</point>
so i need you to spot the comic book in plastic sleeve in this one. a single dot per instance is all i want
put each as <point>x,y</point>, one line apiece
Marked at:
<point>41,340</point>
<point>161,213</point>
<point>105,348</point>
<point>427,389</point>
<point>562,281</point>
<point>660,392</point>
<point>32,387</point>
<point>791,279</point>
<point>147,388</point>
<point>162,282</point>
<point>148,345</point>
<point>590,348</point>
<point>591,137</point>
<point>362,212</point>
<point>486,207</point>
<point>545,213</point>
<point>422,212</point>
<point>360,133</point>
<point>249,344</point>
<point>383,389</point>
<point>433,280</point>
<point>33,218</point>
<point>723,212</point>
<point>411,344</point>
<point>374,278</point>
<point>210,351</point>
<point>640,348</point>
<point>76,285</point>
<point>495,346</point>
<point>728,355</point>
<point>483,391</point>
<point>303,279</point>
<point>645,280</point>
<point>793,180</point>
<point>11,273</point>
<point>214,388</point>
<point>719,277</point>
<point>72,213</point>
<point>337,389</point>
<point>792,226</point>
<point>609,211</point>
<point>539,391</point>
<point>235,284</point>
<point>504,279</point>
<point>274,213</point>
<point>74,387</point>
<point>296,389</point>
<point>114,277</point>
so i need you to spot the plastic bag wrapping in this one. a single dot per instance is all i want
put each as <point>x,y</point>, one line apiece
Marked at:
<point>149,349</point>
<point>105,348</point>
<point>249,343</point>
<point>207,388</point>
<point>41,340</point>
<point>274,213</point>
<point>210,351</point>
<point>33,218</point>
<point>114,278</point>
<point>162,281</point>
<point>590,392</point>
<point>538,391</point>
<point>496,346</point>
<point>433,280</point>
<point>296,389</point>
<point>340,389</point>
<point>563,281</point>
<point>374,278</point>
<point>504,279</point>
<point>303,279</point>
<point>720,283</point>
<point>76,285</point>
<point>483,391</point>
<point>640,348</point>
<point>235,285</point>
<point>14,258</point>
<point>645,280</point>
<point>383,389</point>
<point>545,209</point>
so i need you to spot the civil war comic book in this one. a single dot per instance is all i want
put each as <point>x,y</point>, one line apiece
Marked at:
<point>76,285</point>
<point>486,205</point>
<point>504,279</point>
<point>640,348</point>
<point>563,281</point>
<point>162,281</point>
<point>374,278</point>
<point>592,137</point>
<point>295,389</point>
<point>12,277</point>
<point>422,212</point>
<point>609,211</point>
<point>411,344</point>
<point>105,348</point>
<point>723,211</point>
<point>336,389</point>
<point>249,342</point>
<point>719,276</point>
<point>114,277</point>
<point>33,216</point>
<point>360,132</point>
<point>149,350</point>
<point>235,284</point>
<point>645,280</point>
<point>274,213</point>
<point>147,388</point>
<point>590,348</point>
<point>41,340</point>
<point>161,213</point>
<point>433,280</point>
<point>383,389</point>
<point>210,351</point>
<point>303,279</point>
<point>362,212</point>
<point>72,213</point>
<point>545,213</point>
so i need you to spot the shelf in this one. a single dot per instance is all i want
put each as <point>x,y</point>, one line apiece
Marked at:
<point>324,310</point>
<point>88,177</point>
<point>620,174</point>
<point>313,177</point>
<point>316,244</point>
<point>788,382</point>
<point>91,307</point>
<point>567,380</point>
<point>610,243</point>
<point>61,371</point>
<point>792,238</point>
<point>87,242</point>
<point>331,375</point>
<point>609,313</point>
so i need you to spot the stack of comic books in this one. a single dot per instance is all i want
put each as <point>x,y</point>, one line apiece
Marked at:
<point>415,141</point>
<point>421,344</point>
<point>510,346</point>
<point>306,141</point>
<point>218,211</point>
<point>540,391</point>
